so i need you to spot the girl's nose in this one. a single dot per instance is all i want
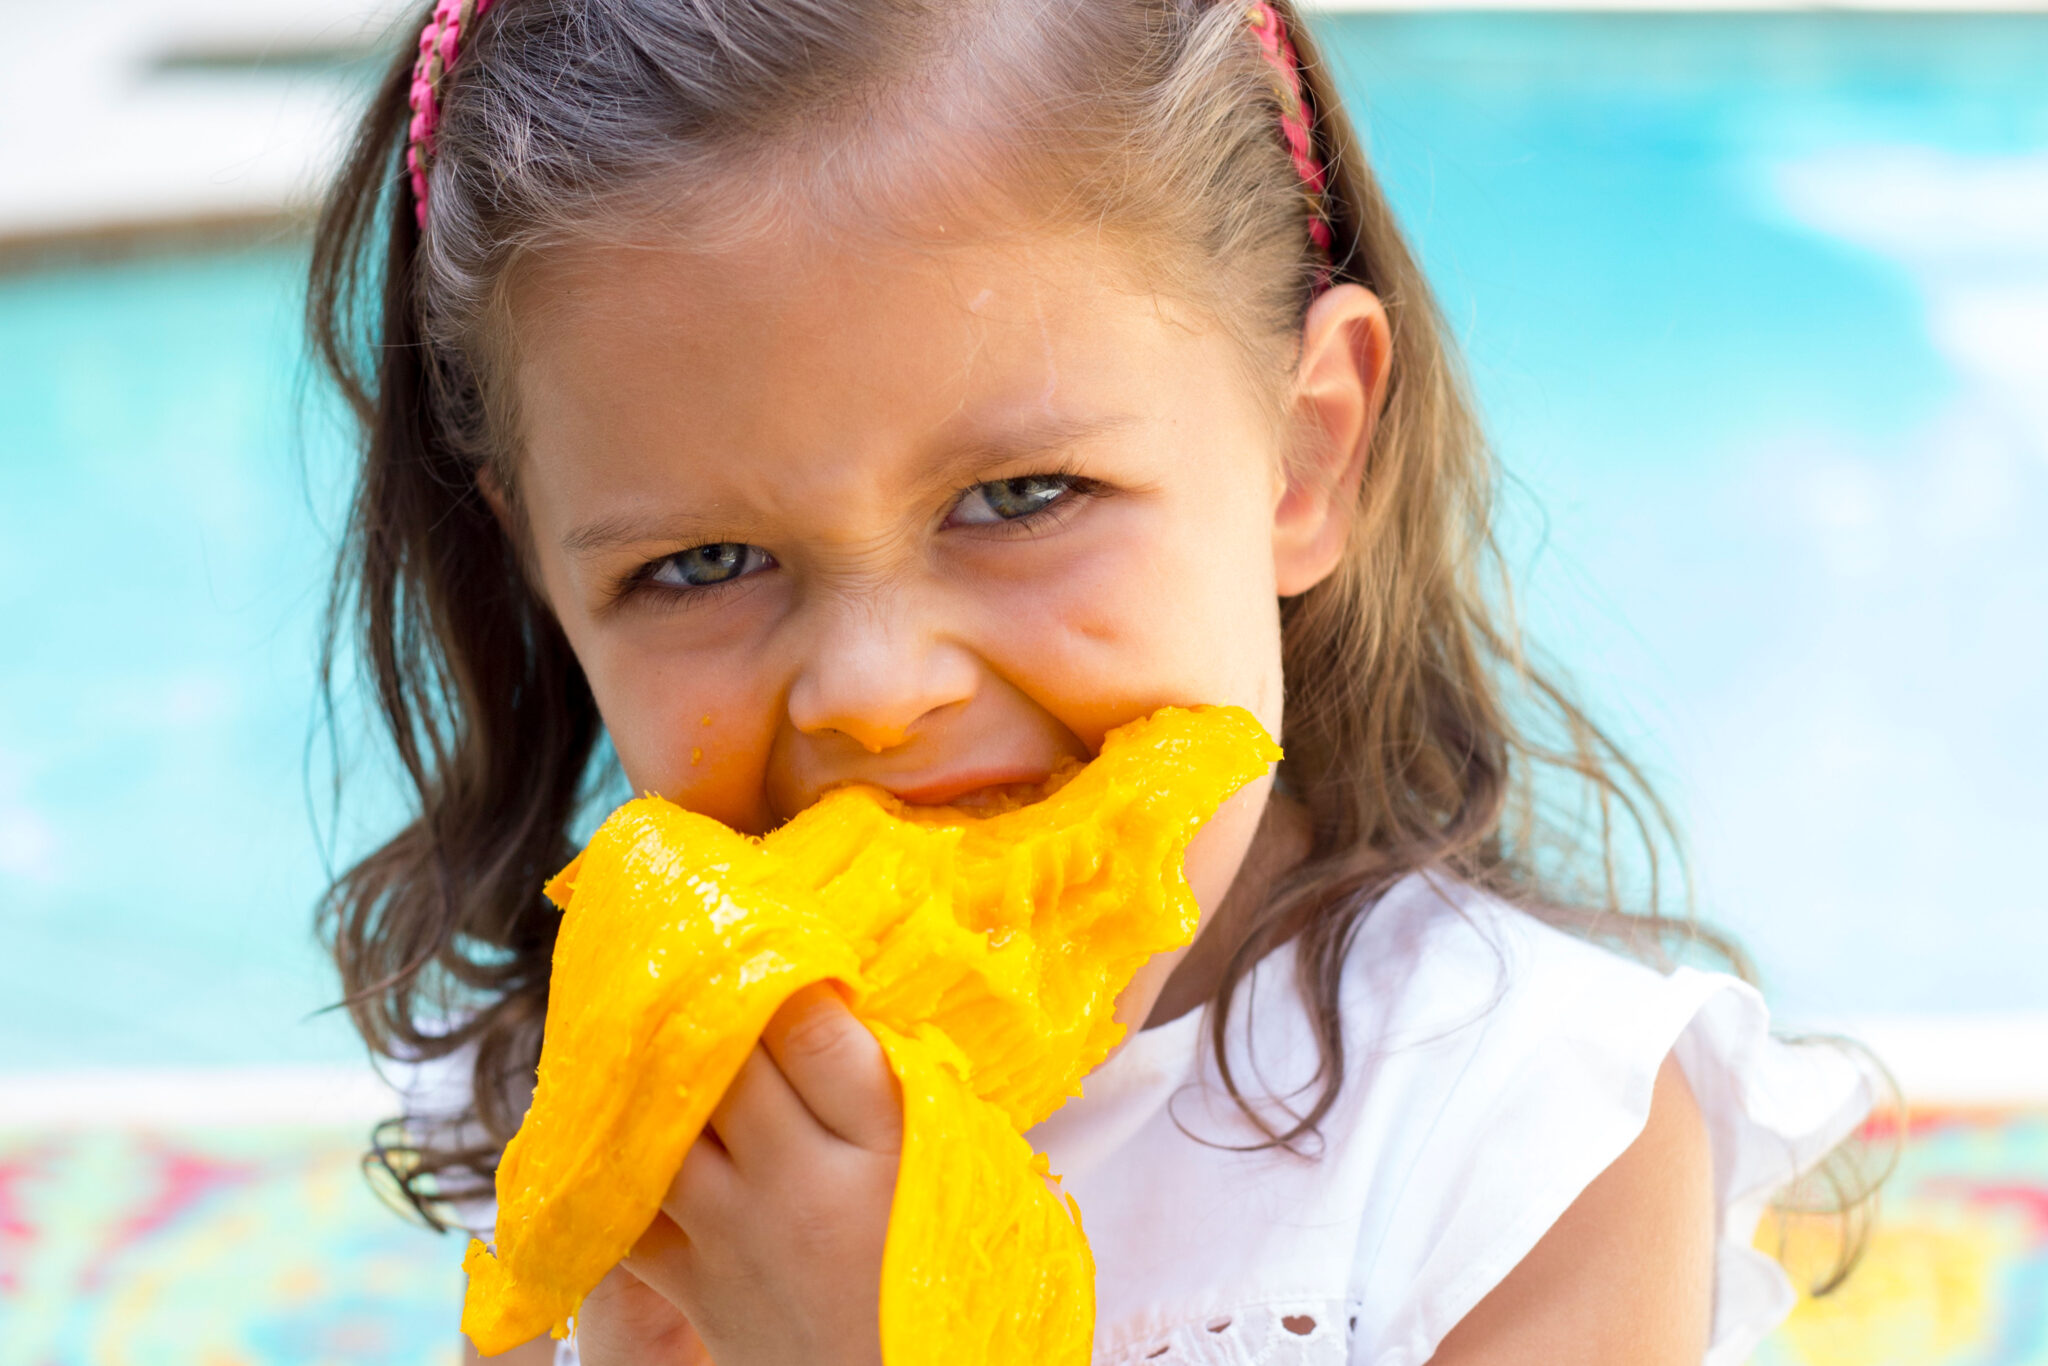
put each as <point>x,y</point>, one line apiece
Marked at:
<point>874,671</point>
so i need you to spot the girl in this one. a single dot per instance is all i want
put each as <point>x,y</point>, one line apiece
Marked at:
<point>794,392</point>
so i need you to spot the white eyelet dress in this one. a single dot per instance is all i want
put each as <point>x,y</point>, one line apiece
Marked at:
<point>1494,1066</point>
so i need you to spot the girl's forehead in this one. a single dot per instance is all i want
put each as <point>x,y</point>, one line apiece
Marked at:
<point>929,274</point>
<point>794,341</point>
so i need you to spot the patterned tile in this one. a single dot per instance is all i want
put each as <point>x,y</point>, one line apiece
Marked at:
<point>1957,1269</point>
<point>265,1247</point>
<point>214,1248</point>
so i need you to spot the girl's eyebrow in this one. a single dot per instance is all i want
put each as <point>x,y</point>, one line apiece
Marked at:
<point>1037,437</point>
<point>620,528</point>
<point>958,466</point>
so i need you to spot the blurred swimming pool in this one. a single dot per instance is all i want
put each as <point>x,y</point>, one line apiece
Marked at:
<point>1757,307</point>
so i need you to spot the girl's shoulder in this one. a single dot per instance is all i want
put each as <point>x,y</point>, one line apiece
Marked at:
<point>1533,1055</point>
<point>1494,1066</point>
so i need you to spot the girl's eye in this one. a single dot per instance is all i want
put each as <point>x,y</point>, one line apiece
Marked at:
<point>706,566</point>
<point>1011,500</point>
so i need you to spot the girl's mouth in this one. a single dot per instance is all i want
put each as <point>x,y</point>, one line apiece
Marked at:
<point>978,791</point>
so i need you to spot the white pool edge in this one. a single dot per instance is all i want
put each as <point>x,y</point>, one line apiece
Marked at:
<point>312,1096</point>
<point>1990,1061</point>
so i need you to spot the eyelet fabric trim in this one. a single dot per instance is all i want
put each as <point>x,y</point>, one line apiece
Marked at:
<point>1281,1332</point>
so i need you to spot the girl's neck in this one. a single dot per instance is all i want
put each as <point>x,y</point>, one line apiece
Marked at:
<point>1280,845</point>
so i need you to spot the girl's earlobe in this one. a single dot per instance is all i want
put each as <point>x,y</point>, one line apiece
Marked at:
<point>1340,385</point>
<point>490,486</point>
<point>505,511</point>
<point>492,489</point>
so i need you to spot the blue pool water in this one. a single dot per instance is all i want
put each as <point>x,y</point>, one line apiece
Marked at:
<point>1759,310</point>
<point>1756,306</point>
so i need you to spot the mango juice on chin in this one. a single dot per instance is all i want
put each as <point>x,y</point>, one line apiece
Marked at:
<point>985,952</point>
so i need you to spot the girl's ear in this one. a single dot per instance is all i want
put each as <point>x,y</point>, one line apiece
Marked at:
<point>491,487</point>
<point>493,490</point>
<point>1339,386</point>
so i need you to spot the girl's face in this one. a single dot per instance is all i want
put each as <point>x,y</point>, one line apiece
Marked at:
<point>932,520</point>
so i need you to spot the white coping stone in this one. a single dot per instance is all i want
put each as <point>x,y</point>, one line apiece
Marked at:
<point>1991,1061</point>
<point>95,134</point>
<point>196,1097</point>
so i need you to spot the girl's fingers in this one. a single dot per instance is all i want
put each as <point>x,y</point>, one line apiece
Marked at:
<point>836,1069</point>
<point>660,1261</point>
<point>706,1191</point>
<point>628,1319</point>
<point>760,1119</point>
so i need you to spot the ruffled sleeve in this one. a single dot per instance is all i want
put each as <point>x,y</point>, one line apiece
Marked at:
<point>435,1096</point>
<point>1521,1072</point>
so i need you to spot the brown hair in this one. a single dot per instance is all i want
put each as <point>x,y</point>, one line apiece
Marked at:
<point>1419,735</point>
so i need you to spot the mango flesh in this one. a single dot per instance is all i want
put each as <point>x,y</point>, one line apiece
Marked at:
<point>985,952</point>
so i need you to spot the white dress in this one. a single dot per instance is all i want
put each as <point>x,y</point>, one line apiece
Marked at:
<point>1494,1067</point>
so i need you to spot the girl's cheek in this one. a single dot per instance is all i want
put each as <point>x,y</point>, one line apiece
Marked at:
<point>691,728</point>
<point>1158,619</point>
<point>1081,632</point>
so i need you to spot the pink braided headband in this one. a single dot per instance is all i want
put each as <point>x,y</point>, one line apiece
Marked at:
<point>1296,122</point>
<point>441,41</point>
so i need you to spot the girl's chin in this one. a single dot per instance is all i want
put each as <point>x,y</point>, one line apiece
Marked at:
<point>1135,1002</point>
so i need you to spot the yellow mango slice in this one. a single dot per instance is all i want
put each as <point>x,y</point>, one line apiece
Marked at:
<point>985,952</point>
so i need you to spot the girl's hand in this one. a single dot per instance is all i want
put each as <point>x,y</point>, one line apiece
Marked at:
<point>768,1248</point>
